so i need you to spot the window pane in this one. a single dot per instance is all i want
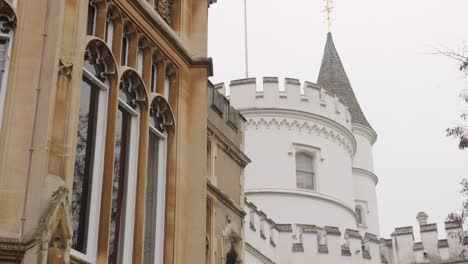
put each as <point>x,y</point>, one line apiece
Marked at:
<point>305,180</point>
<point>154,76</point>
<point>304,163</point>
<point>125,47</point>
<point>120,164</point>
<point>91,19</point>
<point>167,86</point>
<point>109,32</point>
<point>151,199</point>
<point>3,59</point>
<point>84,164</point>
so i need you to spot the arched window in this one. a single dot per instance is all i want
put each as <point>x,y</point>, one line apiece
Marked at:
<point>7,26</point>
<point>160,119</point>
<point>154,75</point>
<point>360,215</point>
<point>109,37</point>
<point>167,85</point>
<point>89,155</point>
<point>91,24</point>
<point>125,170</point>
<point>140,58</point>
<point>125,45</point>
<point>305,176</point>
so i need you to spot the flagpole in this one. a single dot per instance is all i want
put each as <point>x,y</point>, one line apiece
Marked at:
<point>246,41</point>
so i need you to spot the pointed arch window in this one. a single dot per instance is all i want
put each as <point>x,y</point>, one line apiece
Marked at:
<point>125,172</point>
<point>7,27</point>
<point>305,176</point>
<point>89,155</point>
<point>109,37</point>
<point>167,85</point>
<point>91,23</point>
<point>154,75</point>
<point>140,58</point>
<point>160,119</point>
<point>125,45</point>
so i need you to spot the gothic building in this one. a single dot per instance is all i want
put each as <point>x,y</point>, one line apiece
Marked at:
<point>103,116</point>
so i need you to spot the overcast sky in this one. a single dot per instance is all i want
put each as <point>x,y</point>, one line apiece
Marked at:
<point>409,96</point>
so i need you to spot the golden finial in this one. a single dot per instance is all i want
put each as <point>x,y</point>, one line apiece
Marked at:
<point>329,9</point>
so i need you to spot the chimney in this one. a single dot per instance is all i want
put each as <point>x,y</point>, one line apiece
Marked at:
<point>422,218</point>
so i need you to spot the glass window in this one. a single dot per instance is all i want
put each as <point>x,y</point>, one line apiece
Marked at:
<point>91,19</point>
<point>167,86</point>
<point>120,166</point>
<point>360,216</point>
<point>4,50</point>
<point>89,157</point>
<point>125,46</point>
<point>154,76</point>
<point>140,62</point>
<point>85,147</point>
<point>304,171</point>
<point>109,31</point>
<point>155,192</point>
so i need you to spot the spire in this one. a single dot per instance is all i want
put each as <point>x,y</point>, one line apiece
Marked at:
<point>333,77</point>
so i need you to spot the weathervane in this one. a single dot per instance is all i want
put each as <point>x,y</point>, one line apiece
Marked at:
<point>329,9</point>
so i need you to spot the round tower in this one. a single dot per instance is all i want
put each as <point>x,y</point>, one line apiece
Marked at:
<point>311,149</point>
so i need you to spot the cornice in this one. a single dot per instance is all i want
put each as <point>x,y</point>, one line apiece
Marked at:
<point>368,132</point>
<point>172,37</point>
<point>225,199</point>
<point>348,141</point>
<point>303,193</point>
<point>232,150</point>
<point>366,173</point>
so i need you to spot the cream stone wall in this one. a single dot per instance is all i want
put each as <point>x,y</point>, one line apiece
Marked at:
<point>39,121</point>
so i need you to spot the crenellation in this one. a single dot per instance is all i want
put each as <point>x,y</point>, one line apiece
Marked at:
<point>289,94</point>
<point>404,250</point>
<point>329,243</point>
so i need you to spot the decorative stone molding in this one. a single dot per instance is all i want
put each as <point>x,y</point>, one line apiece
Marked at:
<point>366,173</point>
<point>332,231</point>
<point>302,125</point>
<point>284,228</point>
<point>55,229</point>
<point>304,193</point>
<point>371,238</point>
<point>428,228</point>
<point>407,230</point>
<point>368,132</point>
<point>350,233</point>
<point>65,67</point>
<point>164,8</point>
<point>323,249</point>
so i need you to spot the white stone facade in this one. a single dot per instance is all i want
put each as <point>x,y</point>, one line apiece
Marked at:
<point>282,122</point>
<point>402,248</point>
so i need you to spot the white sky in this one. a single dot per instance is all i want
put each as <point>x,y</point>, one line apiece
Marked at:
<point>408,96</point>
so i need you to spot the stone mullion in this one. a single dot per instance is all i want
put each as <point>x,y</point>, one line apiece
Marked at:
<point>101,16</point>
<point>109,154</point>
<point>139,233</point>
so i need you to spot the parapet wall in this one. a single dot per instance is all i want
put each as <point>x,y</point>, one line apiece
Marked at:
<point>403,249</point>
<point>306,243</point>
<point>270,93</point>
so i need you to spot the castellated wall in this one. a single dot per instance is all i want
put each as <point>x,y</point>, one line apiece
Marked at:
<point>291,94</point>
<point>403,249</point>
<point>268,242</point>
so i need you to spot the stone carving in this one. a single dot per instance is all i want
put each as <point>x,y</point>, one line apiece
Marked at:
<point>164,8</point>
<point>318,129</point>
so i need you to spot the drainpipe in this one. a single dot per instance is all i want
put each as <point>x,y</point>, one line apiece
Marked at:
<point>33,134</point>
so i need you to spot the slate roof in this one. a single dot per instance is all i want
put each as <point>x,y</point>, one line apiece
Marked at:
<point>333,77</point>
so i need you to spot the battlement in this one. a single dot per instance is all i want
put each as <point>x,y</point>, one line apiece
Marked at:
<point>402,248</point>
<point>288,94</point>
<point>302,243</point>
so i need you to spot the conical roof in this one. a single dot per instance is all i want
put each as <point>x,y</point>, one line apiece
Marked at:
<point>333,77</point>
